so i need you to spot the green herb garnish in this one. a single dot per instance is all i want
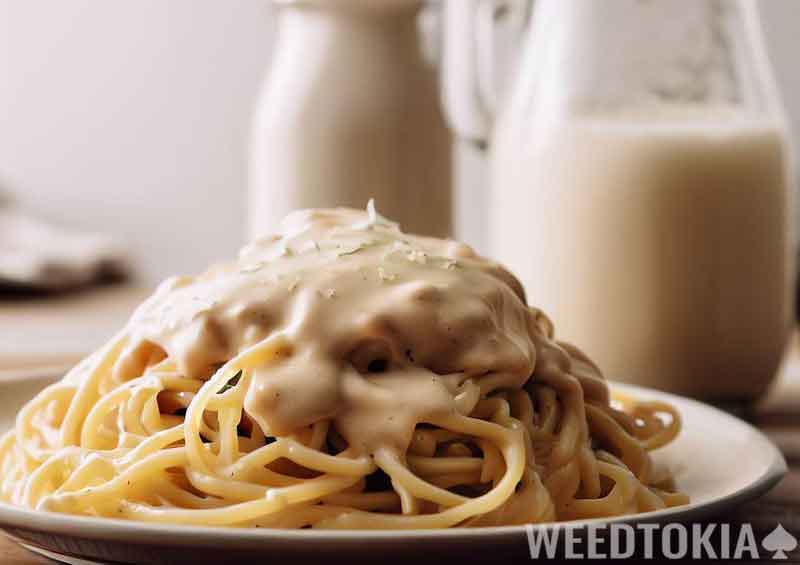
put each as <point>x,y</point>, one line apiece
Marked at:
<point>232,382</point>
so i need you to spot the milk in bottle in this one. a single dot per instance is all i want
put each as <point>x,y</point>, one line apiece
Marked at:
<point>658,243</point>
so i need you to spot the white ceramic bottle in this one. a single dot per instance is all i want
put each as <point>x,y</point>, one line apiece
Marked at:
<point>350,111</point>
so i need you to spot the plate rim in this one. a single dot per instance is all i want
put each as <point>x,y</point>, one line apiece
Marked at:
<point>155,534</point>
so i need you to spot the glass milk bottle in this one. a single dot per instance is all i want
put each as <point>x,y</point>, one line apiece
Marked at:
<point>350,111</point>
<point>641,187</point>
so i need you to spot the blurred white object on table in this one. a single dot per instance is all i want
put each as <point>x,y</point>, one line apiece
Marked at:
<point>39,256</point>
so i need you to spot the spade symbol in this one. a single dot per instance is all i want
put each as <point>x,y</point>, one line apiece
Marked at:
<point>780,541</point>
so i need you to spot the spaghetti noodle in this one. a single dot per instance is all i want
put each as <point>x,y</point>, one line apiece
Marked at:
<point>342,374</point>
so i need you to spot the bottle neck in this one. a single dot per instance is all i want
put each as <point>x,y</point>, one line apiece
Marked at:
<point>364,8</point>
<point>679,53</point>
<point>342,30</point>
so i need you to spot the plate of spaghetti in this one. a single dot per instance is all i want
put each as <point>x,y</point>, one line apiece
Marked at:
<point>343,386</point>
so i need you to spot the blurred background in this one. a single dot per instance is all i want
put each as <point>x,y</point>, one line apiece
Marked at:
<point>132,117</point>
<point>129,123</point>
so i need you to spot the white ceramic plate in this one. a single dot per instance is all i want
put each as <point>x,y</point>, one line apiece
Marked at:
<point>719,460</point>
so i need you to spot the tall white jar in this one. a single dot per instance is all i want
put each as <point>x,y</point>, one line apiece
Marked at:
<point>350,111</point>
<point>641,187</point>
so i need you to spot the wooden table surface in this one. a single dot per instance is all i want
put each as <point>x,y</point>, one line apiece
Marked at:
<point>39,334</point>
<point>778,415</point>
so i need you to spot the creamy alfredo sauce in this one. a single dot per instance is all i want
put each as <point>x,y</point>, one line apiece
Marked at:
<point>384,329</point>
